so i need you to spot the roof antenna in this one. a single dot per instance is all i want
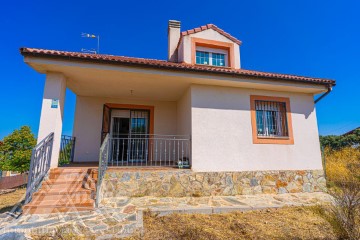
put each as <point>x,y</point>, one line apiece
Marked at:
<point>87,35</point>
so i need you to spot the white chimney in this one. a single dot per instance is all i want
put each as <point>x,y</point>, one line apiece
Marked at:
<point>173,39</point>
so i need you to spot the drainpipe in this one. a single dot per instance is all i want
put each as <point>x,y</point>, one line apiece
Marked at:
<point>322,96</point>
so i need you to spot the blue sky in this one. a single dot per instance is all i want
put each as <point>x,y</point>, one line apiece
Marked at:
<point>311,38</point>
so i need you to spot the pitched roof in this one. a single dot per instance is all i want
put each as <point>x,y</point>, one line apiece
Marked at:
<point>213,27</point>
<point>152,63</point>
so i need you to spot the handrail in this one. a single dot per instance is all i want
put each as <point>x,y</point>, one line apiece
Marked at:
<point>67,149</point>
<point>39,165</point>
<point>103,161</point>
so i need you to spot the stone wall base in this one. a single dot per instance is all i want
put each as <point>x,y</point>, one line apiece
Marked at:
<point>184,183</point>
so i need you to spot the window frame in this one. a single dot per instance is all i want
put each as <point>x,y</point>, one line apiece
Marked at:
<point>258,139</point>
<point>214,45</point>
<point>212,51</point>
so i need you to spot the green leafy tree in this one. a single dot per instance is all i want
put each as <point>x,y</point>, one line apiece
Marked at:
<point>15,150</point>
<point>335,142</point>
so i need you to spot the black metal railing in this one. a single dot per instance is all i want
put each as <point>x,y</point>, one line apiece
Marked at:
<point>67,149</point>
<point>39,165</point>
<point>150,150</point>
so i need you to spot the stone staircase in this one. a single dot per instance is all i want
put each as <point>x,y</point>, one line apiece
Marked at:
<point>65,190</point>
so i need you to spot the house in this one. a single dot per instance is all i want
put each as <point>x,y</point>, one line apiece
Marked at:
<point>198,109</point>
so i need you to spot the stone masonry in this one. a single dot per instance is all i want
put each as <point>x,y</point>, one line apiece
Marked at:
<point>185,183</point>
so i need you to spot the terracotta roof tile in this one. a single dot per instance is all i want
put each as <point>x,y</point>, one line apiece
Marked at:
<point>153,63</point>
<point>213,27</point>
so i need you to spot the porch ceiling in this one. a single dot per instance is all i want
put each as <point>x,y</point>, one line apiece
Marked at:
<point>106,80</point>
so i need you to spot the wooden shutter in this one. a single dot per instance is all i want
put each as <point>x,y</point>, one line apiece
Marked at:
<point>105,122</point>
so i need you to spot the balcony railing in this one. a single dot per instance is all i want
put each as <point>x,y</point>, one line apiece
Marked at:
<point>150,150</point>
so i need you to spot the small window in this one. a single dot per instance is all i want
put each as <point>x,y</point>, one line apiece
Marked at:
<point>210,58</point>
<point>271,119</point>
<point>202,58</point>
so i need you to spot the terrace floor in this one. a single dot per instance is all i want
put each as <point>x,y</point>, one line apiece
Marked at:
<point>129,168</point>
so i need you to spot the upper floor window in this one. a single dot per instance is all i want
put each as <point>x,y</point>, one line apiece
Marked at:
<point>218,59</point>
<point>212,57</point>
<point>202,58</point>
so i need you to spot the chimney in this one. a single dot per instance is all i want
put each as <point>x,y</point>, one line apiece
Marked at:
<point>173,39</point>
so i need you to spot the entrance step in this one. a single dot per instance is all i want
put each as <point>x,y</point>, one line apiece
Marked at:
<point>78,195</point>
<point>65,190</point>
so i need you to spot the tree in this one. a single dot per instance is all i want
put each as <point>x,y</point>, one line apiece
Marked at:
<point>16,149</point>
<point>338,142</point>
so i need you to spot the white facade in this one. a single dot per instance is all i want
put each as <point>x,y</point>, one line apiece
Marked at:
<point>214,109</point>
<point>219,122</point>
<point>222,134</point>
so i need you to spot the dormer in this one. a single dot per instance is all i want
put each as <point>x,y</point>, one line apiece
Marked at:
<point>206,45</point>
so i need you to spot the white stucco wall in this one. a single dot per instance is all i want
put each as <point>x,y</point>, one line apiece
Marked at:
<point>184,53</point>
<point>184,114</point>
<point>88,123</point>
<point>222,133</point>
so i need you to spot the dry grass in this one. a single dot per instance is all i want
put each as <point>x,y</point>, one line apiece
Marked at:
<point>343,172</point>
<point>343,165</point>
<point>283,223</point>
<point>9,200</point>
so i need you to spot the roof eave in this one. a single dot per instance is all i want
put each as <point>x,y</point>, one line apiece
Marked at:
<point>24,52</point>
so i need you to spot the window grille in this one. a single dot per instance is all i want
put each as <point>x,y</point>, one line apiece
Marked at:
<point>271,120</point>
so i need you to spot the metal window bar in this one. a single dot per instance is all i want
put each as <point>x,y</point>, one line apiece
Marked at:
<point>271,120</point>
<point>67,149</point>
<point>150,150</point>
<point>39,165</point>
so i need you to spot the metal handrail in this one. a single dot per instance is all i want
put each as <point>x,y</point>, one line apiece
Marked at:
<point>67,149</point>
<point>103,161</point>
<point>39,165</point>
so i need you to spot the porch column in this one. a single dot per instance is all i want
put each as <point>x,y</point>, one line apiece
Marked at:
<point>52,111</point>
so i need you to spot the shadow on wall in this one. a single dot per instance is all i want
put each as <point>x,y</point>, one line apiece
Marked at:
<point>223,98</point>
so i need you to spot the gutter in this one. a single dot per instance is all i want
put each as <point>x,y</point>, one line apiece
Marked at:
<point>323,95</point>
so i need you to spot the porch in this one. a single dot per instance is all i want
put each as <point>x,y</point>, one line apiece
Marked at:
<point>147,115</point>
<point>133,150</point>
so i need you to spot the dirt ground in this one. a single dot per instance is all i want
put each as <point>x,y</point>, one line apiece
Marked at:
<point>283,223</point>
<point>8,200</point>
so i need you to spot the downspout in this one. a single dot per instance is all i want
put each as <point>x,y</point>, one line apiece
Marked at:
<point>323,95</point>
